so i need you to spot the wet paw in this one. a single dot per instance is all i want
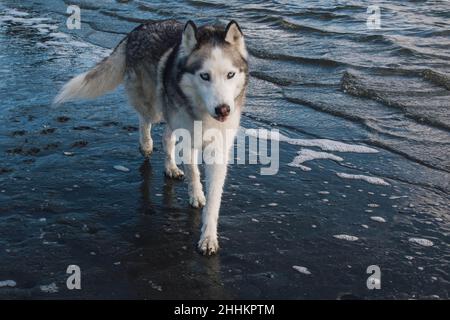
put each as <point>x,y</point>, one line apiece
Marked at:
<point>208,245</point>
<point>174,173</point>
<point>197,200</point>
<point>146,150</point>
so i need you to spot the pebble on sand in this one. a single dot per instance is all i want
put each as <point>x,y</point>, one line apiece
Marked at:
<point>378,219</point>
<point>121,168</point>
<point>345,237</point>
<point>301,269</point>
<point>422,242</point>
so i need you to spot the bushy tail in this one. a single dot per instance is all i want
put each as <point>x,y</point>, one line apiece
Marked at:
<point>104,77</point>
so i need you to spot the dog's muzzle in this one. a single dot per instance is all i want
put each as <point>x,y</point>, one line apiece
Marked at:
<point>222,112</point>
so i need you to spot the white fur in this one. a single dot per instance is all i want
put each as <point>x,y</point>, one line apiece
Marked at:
<point>105,77</point>
<point>206,96</point>
<point>219,90</point>
<point>171,168</point>
<point>215,180</point>
<point>145,138</point>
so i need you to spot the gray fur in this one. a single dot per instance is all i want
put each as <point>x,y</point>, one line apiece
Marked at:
<point>147,44</point>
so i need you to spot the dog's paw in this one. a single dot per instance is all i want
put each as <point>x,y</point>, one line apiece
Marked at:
<point>197,199</point>
<point>146,149</point>
<point>174,172</point>
<point>208,245</point>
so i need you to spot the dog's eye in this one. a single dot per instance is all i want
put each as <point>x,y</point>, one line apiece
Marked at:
<point>230,74</point>
<point>205,76</point>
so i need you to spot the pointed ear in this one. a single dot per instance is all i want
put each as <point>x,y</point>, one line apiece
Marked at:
<point>189,37</point>
<point>234,36</point>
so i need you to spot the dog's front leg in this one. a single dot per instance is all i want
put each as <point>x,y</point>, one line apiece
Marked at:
<point>215,172</point>
<point>195,188</point>
<point>215,179</point>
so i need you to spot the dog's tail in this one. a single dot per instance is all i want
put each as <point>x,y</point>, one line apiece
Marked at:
<point>104,77</point>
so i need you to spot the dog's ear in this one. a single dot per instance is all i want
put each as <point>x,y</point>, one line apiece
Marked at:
<point>189,38</point>
<point>234,36</point>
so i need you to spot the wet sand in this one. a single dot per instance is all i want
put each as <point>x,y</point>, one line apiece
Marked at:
<point>133,233</point>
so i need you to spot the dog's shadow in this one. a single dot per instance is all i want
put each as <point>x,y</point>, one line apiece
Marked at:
<point>170,201</point>
<point>167,204</point>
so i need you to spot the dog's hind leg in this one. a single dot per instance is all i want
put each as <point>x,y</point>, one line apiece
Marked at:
<point>145,138</point>
<point>171,169</point>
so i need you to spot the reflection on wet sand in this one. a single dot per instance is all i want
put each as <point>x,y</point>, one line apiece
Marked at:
<point>166,235</point>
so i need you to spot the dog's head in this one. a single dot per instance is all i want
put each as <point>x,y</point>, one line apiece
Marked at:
<point>214,69</point>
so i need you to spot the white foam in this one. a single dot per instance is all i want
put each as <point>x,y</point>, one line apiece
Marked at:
<point>397,197</point>
<point>32,22</point>
<point>378,219</point>
<point>324,144</point>
<point>301,269</point>
<point>7,283</point>
<point>346,237</point>
<point>16,12</point>
<point>50,288</point>
<point>369,179</point>
<point>60,42</point>
<point>45,25</point>
<point>308,155</point>
<point>59,35</point>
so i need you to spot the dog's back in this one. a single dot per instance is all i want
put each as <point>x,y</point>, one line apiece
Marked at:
<point>148,42</point>
<point>145,48</point>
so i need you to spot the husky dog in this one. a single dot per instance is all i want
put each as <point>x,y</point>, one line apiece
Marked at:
<point>180,74</point>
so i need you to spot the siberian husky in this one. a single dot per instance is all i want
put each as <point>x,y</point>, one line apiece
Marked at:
<point>179,74</point>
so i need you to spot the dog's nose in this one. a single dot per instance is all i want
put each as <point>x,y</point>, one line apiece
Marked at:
<point>223,110</point>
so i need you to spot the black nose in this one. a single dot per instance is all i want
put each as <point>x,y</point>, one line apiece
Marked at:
<point>223,110</point>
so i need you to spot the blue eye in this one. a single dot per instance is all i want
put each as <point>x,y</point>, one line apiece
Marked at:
<point>230,74</point>
<point>205,76</point>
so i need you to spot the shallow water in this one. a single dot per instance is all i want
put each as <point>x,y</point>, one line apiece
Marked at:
<point>317,73</point>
